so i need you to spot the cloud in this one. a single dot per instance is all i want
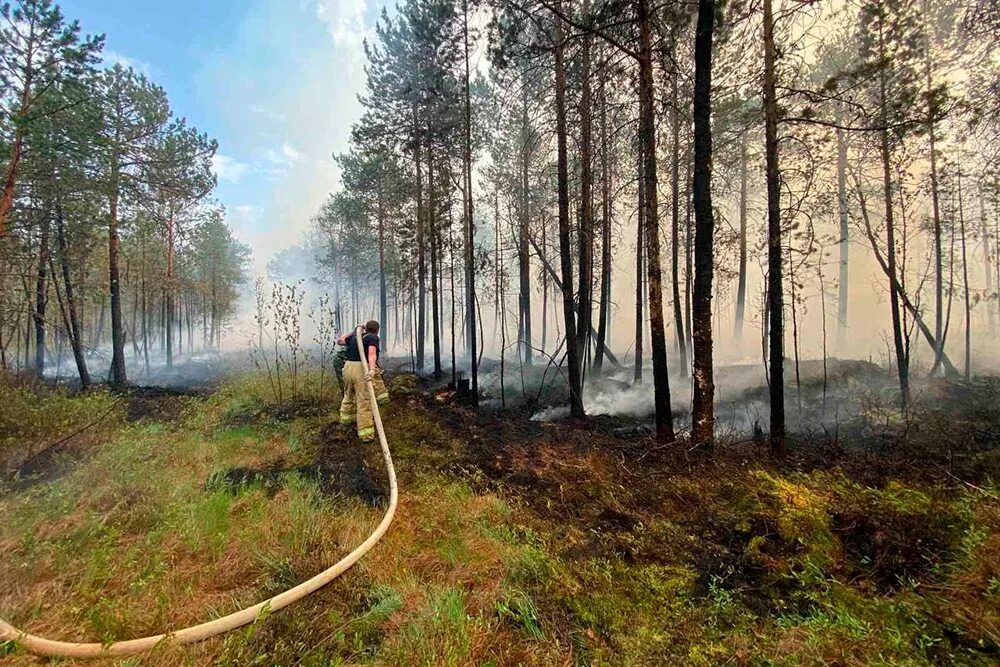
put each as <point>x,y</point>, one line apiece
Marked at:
<point>267,113</point>
<point>344,19</point>
<point>289,152</point>
<point>112,58</point>
<point>276,162</point>
<point>244,219</point>
<point>227,168</point>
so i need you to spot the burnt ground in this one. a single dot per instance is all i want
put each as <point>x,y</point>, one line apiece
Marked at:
<point>340,465</point>
<point>603,488</point>
<point>597,493</point>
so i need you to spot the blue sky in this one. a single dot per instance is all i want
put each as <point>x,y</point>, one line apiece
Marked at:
<point>275,81</point>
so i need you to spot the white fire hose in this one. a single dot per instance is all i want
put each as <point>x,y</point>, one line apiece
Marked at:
<point>196,633</point>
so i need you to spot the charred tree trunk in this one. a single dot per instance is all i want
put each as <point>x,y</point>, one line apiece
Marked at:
<point>383,302</point>
<point>585,236</point>
<point>432,225</point>
<point>606,206</point>
<point>775,289</point>
<point>640,247</point>
<point>75,329</point>
<point>421,263</point>
<point>41,294</point>
<point>168,289</point>
<point>524,265</point>
<point>470,269</point>
<point>118,374</point>
<point>675,215</point>
<point>890,231</point>
<point>703,399</point>
<point>647,137</point>
<point>565,250</point>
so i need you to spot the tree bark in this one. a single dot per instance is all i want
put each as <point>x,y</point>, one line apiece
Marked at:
<point>775,288</point>
<point>41,294</point>
<point>524,265</point>
<point>741,286</point>
<point>845,238</point>
<point>383,305</point>
<point>703,399</point>
<point>647,137</point>
<point>965,283</point>
<point>421,265</point>
<point>75,330</point>
<point>987,261</point>
<point>640,247</point>
<point>168,288</point>
<point>432,225</point>
<point>565,250</point>
<point>675,213</point>
<point>470,269</point>
<point>606,206</point>
<point>585,235</point>
<point>118,374</point>
<point>890,231</point>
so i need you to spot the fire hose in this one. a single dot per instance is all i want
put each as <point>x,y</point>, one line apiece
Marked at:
<point>196,633</point>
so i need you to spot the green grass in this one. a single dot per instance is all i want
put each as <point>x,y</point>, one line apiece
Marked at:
<point>751,567</point>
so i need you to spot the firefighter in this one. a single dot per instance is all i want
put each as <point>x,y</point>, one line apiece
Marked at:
<point>355,405</point>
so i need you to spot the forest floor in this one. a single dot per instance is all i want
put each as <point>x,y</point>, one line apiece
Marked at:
<point>516,541</point>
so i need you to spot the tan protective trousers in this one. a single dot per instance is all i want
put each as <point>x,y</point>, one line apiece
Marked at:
<point>356,405</point>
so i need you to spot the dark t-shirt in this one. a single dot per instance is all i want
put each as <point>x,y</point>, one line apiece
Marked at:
<point>370,340</point>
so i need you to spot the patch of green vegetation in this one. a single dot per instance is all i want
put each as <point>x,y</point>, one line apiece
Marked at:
<point>436,636</point>
<point>33,418</point>
<point>750,565</point>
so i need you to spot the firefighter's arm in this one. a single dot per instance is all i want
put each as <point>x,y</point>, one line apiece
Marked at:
<point>372,359</point>
<point>343,339</point>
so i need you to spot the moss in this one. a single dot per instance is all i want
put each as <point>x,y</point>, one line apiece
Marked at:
<point>801,519</point>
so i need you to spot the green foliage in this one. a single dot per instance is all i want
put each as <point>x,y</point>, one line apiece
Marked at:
<point>33,419</point>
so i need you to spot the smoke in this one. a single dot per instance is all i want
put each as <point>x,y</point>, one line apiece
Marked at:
<point>819,397</point>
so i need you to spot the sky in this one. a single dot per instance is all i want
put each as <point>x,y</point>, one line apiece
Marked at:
<point>274,81</point>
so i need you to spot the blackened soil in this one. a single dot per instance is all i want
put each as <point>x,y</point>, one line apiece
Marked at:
<point>159,404</point>
<point>342,467</point>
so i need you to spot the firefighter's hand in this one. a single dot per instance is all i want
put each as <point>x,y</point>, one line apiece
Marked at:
<point>368,376</point>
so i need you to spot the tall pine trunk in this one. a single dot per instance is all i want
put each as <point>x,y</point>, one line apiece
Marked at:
<point>987,261</point>
<point>845,238</point>
<point>675,212</point>
<point>75,329</point>
<point>640,247</point>
<point>565,250</point>
<point>741,286</point>
<point>605,303</point>
<point>524,265</point>
<point>703,399</point>
<point>421,263</point>
<point>168,288</point>
<point>775,288</point>
<point>965,282</point>
<point>432,228</point>
<point>41,293</point>
<point>890,230</point>
<point>585,235</point>
<point>118,374</point>
<point>647,136</point>
<point>470,269</point>
<point>383,305</point>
